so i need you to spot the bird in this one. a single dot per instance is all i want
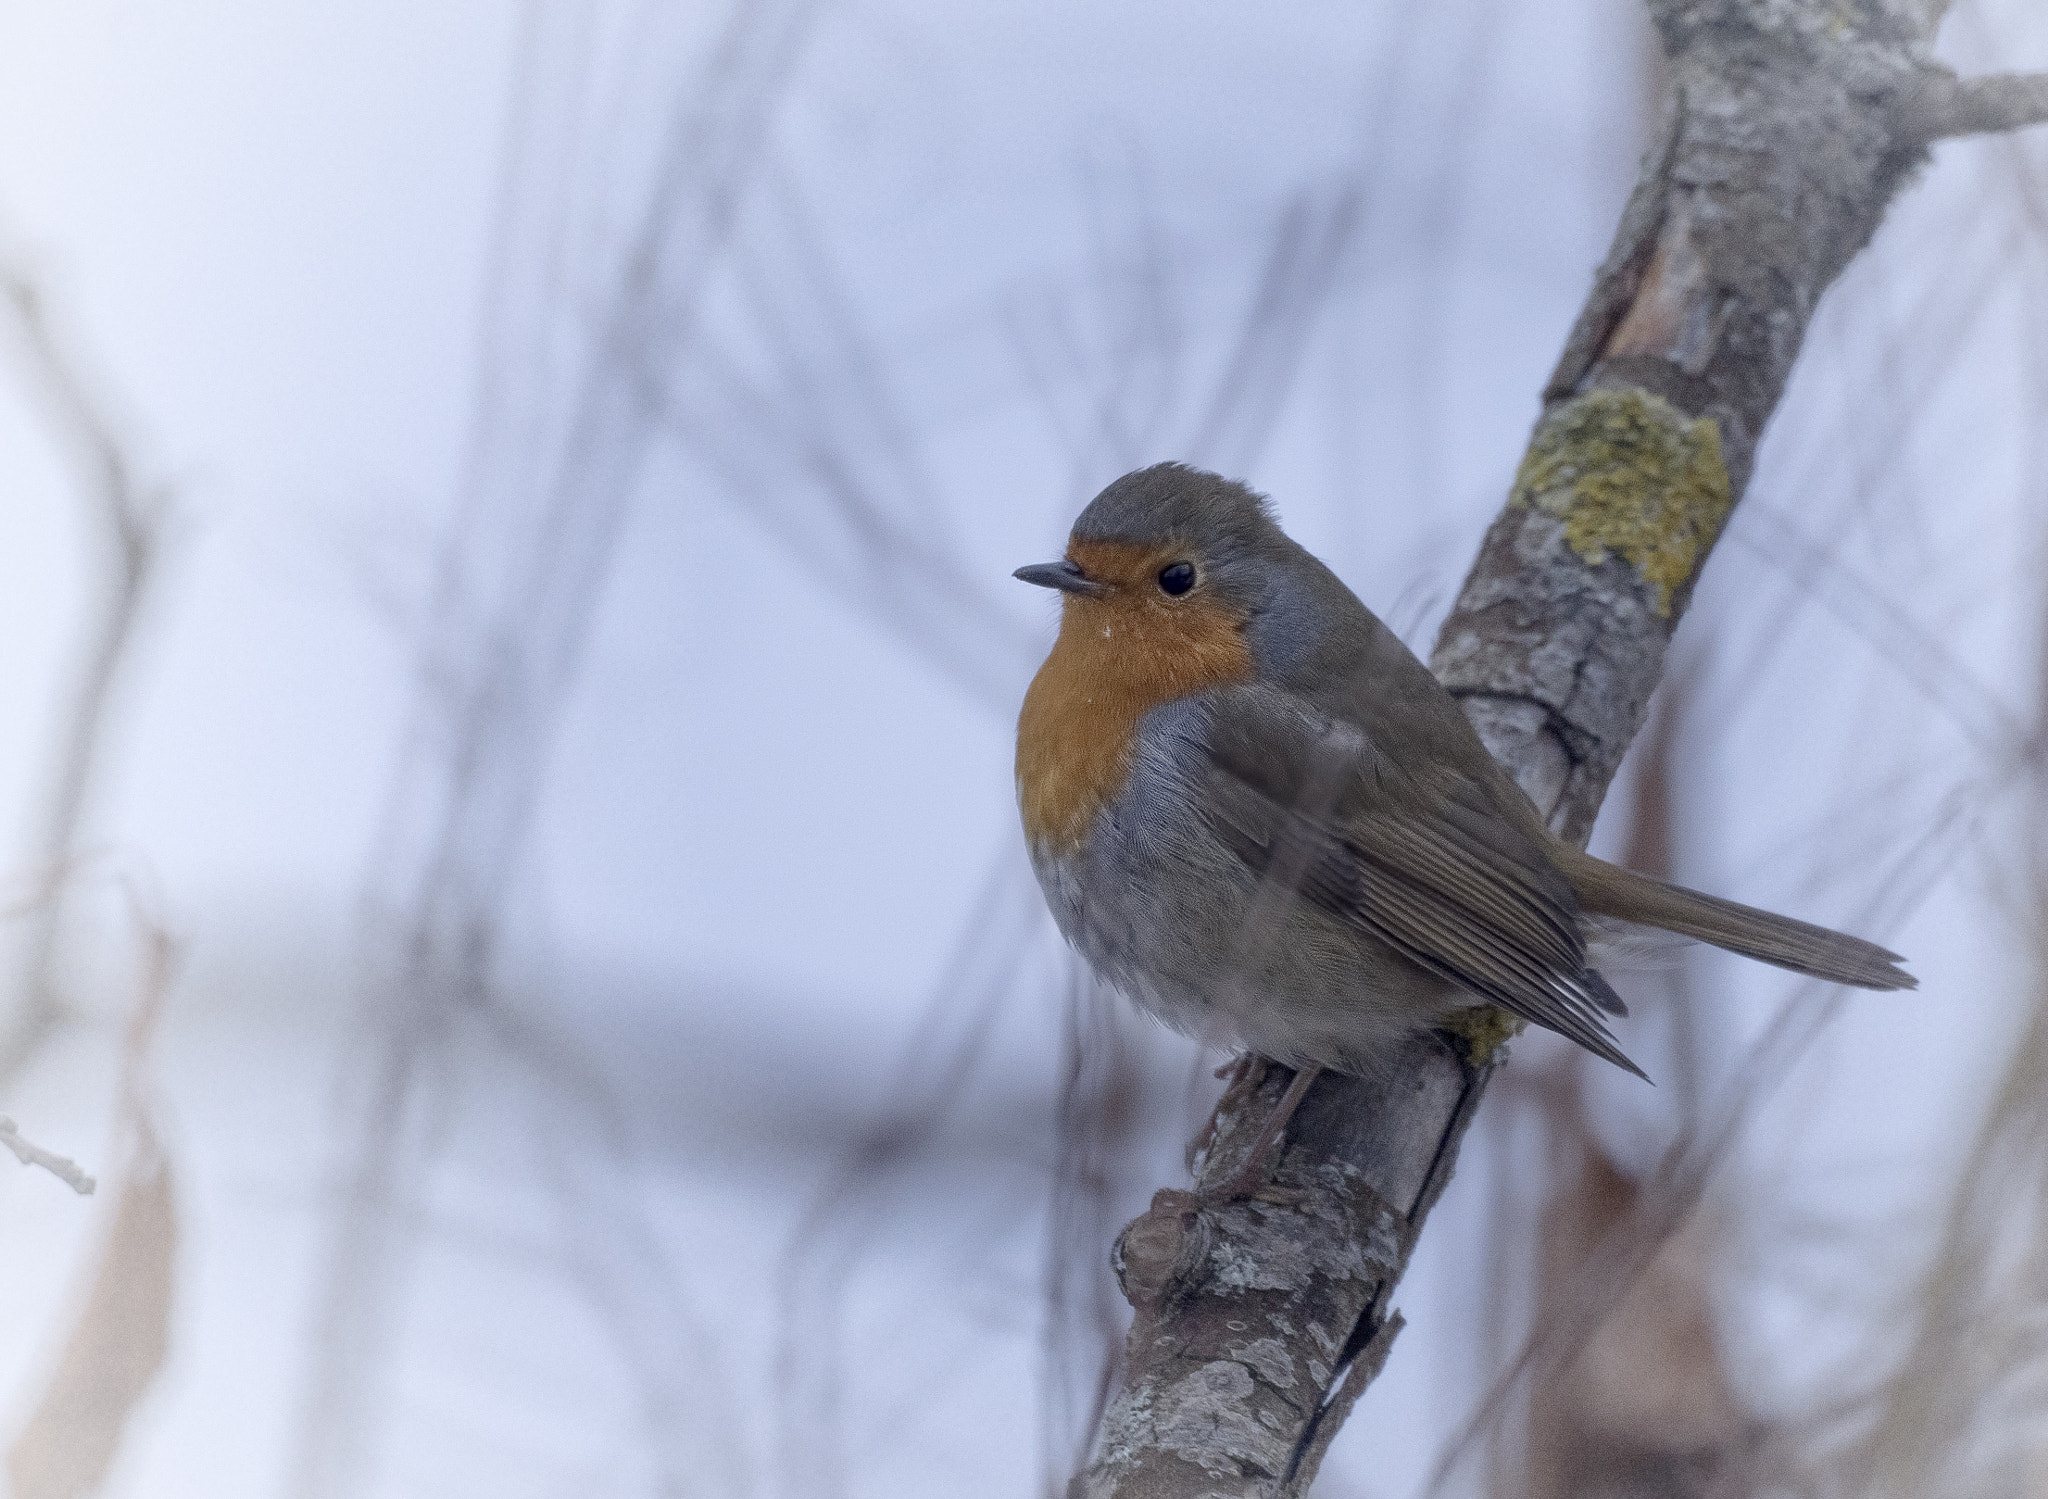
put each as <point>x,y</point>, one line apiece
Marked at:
<point>1260,817</point>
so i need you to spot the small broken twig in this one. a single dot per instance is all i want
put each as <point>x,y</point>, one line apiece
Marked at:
<point>29,1153</point>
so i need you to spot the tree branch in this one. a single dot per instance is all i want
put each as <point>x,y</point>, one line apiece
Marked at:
<point>29,1153</point>
<point>133,518</point>
<point>1937,107</point>
<point>1788,130</point>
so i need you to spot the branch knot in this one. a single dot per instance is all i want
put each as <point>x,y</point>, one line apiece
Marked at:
<point>1161,1252</point>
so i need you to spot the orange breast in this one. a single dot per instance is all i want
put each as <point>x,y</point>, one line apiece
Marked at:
<point>1116,659</point>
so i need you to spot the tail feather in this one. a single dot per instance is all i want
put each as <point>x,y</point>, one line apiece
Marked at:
<point>1603,992</point>
<point>1607,890</point>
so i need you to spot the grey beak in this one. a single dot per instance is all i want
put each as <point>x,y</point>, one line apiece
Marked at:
<point>1064,576</point>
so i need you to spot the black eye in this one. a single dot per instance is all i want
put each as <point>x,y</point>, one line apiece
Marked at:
<point>1177,577</point>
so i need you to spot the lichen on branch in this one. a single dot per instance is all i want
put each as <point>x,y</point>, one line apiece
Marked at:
<point>1630,475</point>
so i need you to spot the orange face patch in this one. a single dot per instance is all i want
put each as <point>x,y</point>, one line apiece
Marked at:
<point>1117,657</point>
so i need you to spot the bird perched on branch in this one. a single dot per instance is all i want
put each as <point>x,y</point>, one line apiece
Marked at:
<point>1257,814</point>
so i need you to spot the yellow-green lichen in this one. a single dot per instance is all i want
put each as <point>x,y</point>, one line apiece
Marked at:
<point>1484,1030</point>
<point>1632,476</point>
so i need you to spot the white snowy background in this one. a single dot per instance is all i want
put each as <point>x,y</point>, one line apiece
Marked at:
<point>659,398</point>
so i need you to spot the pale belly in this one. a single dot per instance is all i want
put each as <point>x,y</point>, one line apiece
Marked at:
<point>1167,914</point>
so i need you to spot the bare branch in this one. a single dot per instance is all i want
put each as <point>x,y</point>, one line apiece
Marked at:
<point>29,1153</point>
<point>1939,106</point>
<point>1780,152</point>
<point>116,1348</point>
<point>565,421</point>
<point>132,516</point>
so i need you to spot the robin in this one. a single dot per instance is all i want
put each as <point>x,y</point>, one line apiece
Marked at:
<point>1259,816</point>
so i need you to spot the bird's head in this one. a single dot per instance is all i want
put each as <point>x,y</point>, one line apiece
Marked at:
<point>1166,554</point>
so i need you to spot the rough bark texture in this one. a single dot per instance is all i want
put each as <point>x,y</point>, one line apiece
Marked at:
<point>1790,126</point>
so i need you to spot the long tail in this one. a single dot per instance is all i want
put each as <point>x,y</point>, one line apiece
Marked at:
<point>1607,890</point>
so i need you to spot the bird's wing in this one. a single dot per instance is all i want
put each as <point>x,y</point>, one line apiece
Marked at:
<point>1425,863</point>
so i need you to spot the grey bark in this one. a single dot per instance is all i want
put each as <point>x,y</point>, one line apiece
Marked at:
<point>1790,126</point>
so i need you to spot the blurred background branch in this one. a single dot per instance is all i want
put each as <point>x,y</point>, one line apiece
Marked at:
<point>566,414</point>
<point>130,517</point>
<point>116,1346</point>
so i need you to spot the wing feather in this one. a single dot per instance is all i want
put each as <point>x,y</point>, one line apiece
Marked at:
<point>1433,871</point>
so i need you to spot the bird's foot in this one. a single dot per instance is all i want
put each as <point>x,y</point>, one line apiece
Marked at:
<point>1251,1179</point>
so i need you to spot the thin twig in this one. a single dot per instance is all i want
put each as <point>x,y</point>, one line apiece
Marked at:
<point>1939,107</point>
<point>133,517</point>
<point>29,1153</point>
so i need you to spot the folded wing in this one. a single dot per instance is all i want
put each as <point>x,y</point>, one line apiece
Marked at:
<point>1431,869</point>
